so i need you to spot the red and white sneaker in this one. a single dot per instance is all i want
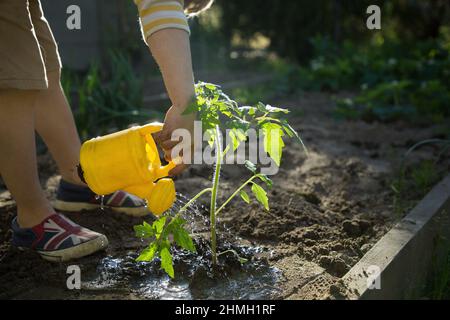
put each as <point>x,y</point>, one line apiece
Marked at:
<point>58,239</point>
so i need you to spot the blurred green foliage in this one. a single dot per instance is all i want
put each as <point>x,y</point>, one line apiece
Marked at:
<point>393,79</point>
<point>397,81</point>
<point>438,287</point>
<point>399,72</point>
<point>412,183</point>
<point>106,101</point>
<point>290,24</point>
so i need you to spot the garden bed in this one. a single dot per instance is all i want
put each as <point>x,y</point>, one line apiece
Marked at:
<point>327,211</point>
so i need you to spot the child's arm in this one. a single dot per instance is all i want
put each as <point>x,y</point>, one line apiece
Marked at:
<point>166,32</point>
<point>171,50</point>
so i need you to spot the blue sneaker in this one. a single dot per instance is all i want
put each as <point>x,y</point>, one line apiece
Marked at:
<point>58,239</point>
<point>74,198</point>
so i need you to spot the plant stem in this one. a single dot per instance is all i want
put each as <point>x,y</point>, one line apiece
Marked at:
<point>198,195</point>
<point>241,259</point>
<point>236,192</point>
<point>215,189</point>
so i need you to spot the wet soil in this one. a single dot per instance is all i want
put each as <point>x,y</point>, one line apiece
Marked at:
<point>326,211</point>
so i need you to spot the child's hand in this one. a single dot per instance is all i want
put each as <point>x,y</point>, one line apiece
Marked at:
<point>174,120</point>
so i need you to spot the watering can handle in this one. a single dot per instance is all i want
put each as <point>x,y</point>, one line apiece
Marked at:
<point>146,131</point>
<point>151,128</point>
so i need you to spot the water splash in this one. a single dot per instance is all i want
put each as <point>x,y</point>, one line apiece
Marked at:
<point>102,200</point>
<point>196,215</point>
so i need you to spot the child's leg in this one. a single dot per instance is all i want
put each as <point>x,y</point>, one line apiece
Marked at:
<point>18,156</point>
<point>55,124</point>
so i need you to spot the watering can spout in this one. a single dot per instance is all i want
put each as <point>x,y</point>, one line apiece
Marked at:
<point>129,160</point>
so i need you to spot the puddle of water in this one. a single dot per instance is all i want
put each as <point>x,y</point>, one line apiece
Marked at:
<point>194,277</point>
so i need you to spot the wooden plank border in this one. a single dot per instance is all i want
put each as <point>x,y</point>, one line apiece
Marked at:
<point>401,261</point>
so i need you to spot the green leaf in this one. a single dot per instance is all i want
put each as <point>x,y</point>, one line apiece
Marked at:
<point>273,141</point>
<point>250,110</point>
<point>288,129</point>
<point>144,230</point>
<point>225,151</point>
<point>250,166</point>
<point>210,136</point>
<point>184,240</point>
<point>265,119</point>
<point>200,100</point>
<point>261,107</point>
<point>292,133</point>
<point>149,253</point>
<point>210,86</point>
<point>166,258</point>
<point>180,234</point>
<point>244,196</point>
<point>261,195</point>
<point>234,139</point>
<point>266,179</point>
<point>269,108</point>
<point>240,134</point>
<point>158,225</point>
<point>242,260</point>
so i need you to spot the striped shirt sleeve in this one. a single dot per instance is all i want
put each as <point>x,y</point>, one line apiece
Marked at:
<point>155,15</point>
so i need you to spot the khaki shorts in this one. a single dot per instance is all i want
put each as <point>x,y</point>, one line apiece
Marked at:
<point>28,50</point>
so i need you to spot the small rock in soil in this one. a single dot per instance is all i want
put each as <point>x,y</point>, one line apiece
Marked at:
<point>338,267</point>
<point>312,198</point>
<point>351,228</point>
<point>364,225</point>
<point>335,290</point>
<point>334,265</point>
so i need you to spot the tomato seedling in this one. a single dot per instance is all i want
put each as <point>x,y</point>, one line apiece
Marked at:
<point>217,112</point>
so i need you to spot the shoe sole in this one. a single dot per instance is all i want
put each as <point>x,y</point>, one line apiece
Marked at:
<point>78,206</point>
<point>76,252</point>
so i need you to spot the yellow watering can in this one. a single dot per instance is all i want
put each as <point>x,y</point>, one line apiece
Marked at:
<point>129,160</point>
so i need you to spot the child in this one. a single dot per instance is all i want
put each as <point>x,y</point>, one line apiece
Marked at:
<point>31,99</point>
